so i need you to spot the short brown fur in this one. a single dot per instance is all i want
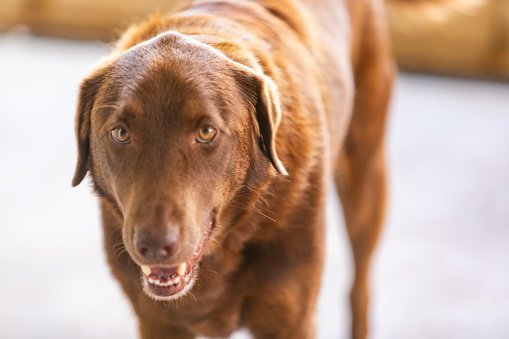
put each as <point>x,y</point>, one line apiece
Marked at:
<point>299,93</point>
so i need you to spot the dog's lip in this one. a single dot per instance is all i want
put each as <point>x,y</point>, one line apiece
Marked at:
<point>165,281</point>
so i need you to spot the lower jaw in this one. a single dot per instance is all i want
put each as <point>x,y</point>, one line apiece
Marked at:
<point>172,291</point>
<point>179,283</point>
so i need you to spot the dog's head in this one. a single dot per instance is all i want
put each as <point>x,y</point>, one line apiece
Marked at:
<point>170,131</point>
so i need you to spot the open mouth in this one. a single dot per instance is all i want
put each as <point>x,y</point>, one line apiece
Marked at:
<point>167,282</point>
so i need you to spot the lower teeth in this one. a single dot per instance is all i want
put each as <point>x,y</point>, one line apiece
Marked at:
<point>158,282</point>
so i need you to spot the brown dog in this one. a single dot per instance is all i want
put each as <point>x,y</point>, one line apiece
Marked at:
<point>211,136</point>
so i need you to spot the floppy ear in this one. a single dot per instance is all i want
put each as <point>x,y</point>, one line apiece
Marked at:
<point>264,95</point>
<point>88,90</point>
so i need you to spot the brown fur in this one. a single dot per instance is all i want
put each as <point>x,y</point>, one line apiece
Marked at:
<point>296,88</point>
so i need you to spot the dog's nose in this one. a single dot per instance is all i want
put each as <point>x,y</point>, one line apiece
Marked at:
<point>156,245</point>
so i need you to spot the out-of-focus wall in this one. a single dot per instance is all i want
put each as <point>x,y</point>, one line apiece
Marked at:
<point>460,37</point>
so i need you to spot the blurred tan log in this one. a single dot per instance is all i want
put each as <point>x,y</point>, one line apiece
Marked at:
<point>82,19</point>
<point>459,37</point>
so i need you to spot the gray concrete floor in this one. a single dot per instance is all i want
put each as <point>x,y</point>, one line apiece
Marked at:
<point>441,269</point>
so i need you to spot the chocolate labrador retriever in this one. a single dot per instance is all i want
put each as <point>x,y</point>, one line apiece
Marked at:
<point>211,135</point>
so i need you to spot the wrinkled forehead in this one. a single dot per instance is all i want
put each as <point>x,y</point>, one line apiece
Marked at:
<point>171,51</point>
<point>174,73</point>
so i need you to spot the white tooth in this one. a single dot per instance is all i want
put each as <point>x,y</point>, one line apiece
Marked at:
<point>181,270</point>
<point>151,280</point>
<point>146,270</point>
<point>176,280</point>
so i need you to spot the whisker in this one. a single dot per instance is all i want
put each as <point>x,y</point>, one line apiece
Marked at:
<point>118,249</point>
<point>192,295</point>
<point>117,257</point>
<point>118,245</point>
<point>254,209</point>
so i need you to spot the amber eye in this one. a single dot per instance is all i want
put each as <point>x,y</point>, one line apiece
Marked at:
<point>121,135</point>
<point>206,134</point>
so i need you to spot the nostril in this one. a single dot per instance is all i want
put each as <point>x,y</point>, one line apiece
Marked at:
<point>143,244</point>
<point>143,251</point>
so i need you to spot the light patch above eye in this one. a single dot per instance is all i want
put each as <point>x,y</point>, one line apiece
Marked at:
<point>121,135</point>
<point>206,134</point>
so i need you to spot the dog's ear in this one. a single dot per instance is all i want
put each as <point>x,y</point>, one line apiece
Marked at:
<point>264,96</point>
<point>88,90</point>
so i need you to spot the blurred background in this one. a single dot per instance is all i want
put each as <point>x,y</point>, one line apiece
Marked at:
<point>441,269</point>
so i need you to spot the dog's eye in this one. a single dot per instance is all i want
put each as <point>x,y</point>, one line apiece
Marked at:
<point>206,134</point>
<point>121,135</point>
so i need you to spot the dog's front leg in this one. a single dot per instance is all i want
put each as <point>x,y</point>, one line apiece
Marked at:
<point>284,282</point>
<point>150,329</point>
<point>280,315</point>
